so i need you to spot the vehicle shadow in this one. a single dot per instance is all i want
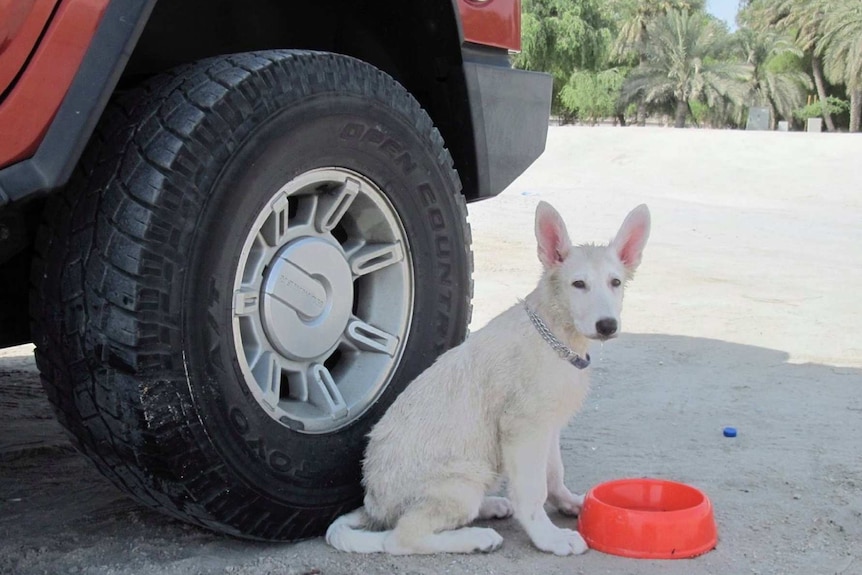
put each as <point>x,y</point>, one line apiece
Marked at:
<point>787,490</point>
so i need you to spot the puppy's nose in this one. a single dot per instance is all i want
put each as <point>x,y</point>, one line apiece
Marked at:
<point>606,327</point>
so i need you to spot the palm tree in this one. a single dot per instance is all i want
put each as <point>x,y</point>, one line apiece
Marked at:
<point>681,64</point>
<point>636,16</point>
<point>633,36</point>
<point>781,91</point>
<point>841,48</point>
<point>804,19</point>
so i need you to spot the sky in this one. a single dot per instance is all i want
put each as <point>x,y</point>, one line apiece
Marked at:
<point>724,9</point>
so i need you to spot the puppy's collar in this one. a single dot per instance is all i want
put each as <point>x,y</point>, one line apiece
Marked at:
<point>564,351</point>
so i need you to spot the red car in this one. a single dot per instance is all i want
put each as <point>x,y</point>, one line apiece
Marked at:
<point>236,230</point>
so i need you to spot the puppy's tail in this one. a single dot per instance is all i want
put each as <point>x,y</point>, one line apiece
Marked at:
<point>349,533</point>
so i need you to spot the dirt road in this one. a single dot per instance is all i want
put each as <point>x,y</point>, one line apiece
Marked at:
<point>745,312</point>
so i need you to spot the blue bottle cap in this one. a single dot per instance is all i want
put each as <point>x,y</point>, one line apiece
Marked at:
<point>730,432</point>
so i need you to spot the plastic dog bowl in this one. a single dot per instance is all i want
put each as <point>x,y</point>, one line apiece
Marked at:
<point>648,519</point>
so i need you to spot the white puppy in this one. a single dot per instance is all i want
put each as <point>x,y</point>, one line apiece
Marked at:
<point>492,408</point>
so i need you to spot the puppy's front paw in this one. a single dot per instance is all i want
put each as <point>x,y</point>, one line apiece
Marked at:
<point>567,502</point>
<point>571,506</point>
<point>485,540</point>
<point>579,546</point>
<point>562,542</point>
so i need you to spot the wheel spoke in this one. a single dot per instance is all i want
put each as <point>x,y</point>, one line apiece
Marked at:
<point>373,257</point>
<point>324,394</point>
<point>333,205</point>
<point>369,338</point>
<point>267,372</point>
<point>245,302</point>
<point>274,229</point>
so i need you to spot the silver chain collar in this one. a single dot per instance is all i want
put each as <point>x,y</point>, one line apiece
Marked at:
<point>564,351</point>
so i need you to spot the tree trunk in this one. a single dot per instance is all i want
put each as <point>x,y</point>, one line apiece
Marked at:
<point>681,113</point>
<point>817,68</point>
<point>773,114</point>
<point>855,110</point>
<point>641,113</point>
<point>691,113</point>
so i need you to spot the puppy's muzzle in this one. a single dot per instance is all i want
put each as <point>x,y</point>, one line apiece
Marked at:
<point>606,328</point>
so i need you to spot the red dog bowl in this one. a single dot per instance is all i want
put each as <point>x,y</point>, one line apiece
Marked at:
<point>648,519</point>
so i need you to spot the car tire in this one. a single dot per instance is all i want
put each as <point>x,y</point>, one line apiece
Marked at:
<point>257,253</point>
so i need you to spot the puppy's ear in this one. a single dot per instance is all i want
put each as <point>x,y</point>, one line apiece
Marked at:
<point>630,240</point>
<point>551,235</point>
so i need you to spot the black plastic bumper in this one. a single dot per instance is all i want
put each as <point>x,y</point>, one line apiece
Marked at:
<point>510,110</point>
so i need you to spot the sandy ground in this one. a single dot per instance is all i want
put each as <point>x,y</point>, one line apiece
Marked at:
<point>745,312</point>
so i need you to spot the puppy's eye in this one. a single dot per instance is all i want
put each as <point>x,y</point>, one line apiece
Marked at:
<point>580,284</point>
<point>616,282</point>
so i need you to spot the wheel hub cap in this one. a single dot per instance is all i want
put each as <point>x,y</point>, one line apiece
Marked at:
<point>301,316</point>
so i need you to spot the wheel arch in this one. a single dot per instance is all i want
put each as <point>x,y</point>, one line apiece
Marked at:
<point>417,43</point>
<point>139,38</point>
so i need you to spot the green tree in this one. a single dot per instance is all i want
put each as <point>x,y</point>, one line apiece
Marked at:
<point>804,20</point>
<point>841,48</point>
<point>592,96</point>
<point>722,113</point>
<point>682,63</point>
<point>634,18</point>
<point>836,106</point>
<point>776,79</point>
<point>559,36</point>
